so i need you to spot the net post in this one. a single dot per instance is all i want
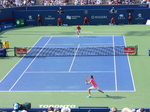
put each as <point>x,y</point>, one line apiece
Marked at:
<point>14,51</point>
<point>136,47</point>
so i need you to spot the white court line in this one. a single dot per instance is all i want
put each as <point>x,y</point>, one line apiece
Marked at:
<point>70,91</point>
<point>87,32</point>
<point>74,58</point>
<point>84,44</point>
<point>130,67</point>
<point>70,72</point>
<point>28,66</point>
<point>114,64</point>
<point>15,65</point>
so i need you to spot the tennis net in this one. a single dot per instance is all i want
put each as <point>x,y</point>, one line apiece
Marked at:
<point>77,51</point>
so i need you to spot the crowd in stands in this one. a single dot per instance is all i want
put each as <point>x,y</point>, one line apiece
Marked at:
<point>24,108</point>
<point>19,3</point>
<point>125,2</point>
<point>54,2</point>
<point>113,109</point>
<point>16,3</point>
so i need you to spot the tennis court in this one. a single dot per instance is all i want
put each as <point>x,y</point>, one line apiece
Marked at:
<point>67,73</point>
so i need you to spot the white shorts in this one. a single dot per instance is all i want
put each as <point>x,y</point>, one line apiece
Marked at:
<point>97,88</point>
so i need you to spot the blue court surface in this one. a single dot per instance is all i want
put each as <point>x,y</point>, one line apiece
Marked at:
<point>112,73</point>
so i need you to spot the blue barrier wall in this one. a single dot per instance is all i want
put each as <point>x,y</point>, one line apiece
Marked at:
<point>143,6</point>
<point>75,17</point>
<point>79,109</point>
<point>8,12</point>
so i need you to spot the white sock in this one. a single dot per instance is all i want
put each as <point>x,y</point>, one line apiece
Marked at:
<point>105,94</point>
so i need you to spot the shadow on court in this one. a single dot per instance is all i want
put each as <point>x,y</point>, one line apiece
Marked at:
<point>113,97</point>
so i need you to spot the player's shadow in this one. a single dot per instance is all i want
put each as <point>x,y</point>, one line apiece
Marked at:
<point>113,97</point>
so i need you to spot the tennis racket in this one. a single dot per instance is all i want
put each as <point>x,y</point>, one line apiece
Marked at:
<point>86,79</point>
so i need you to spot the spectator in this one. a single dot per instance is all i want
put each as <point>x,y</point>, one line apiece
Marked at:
<point>129,18</point>
<point>56,110</point>
<point>141,110</point>
<point>112,21</point>
<point>126,110</point>
<point>82,2</point>
<point>59,22</point>
<point>76,2</point>
<point>18,108</point>
<point>148,2</point>
<point>114,109</point>
<point>112,10</point>
<point>46,3</point>
<point>39,20</point>
<point>32,2</point>
<point>60,11</point>
<point>126,2</point>
<point>85,21</point>
<point>111,2</point>
<point>50,109</point>
<point>143,1</point>
<point>1,44</point>
<point>65,109</point>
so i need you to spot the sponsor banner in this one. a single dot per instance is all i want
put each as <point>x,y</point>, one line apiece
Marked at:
<point>99,17</point>
<point>69,17</point>
<point>30,18</point>
<point>7,26</point>
<point>19,22</point>
<point>139,16</point>
<point>49,17</point>
<point>121,17</point>
<point>129,50</point>
<point>21,51</point>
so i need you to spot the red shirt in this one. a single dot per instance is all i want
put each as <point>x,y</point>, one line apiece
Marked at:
<point>39,18</point>
<point>129,17</point>
<point>59,20</point>
<point>78,28</point>
<point>112,20</point>
<point>85,19</point>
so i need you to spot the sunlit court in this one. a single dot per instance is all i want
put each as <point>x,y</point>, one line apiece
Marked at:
<point>62,63</point>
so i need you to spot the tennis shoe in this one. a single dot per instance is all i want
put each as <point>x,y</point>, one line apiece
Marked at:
<point>107,95</point>
<point>89,96</point>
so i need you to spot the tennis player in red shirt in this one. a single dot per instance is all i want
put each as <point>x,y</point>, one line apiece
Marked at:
<point>59,22</point>
<point>78,30</point>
